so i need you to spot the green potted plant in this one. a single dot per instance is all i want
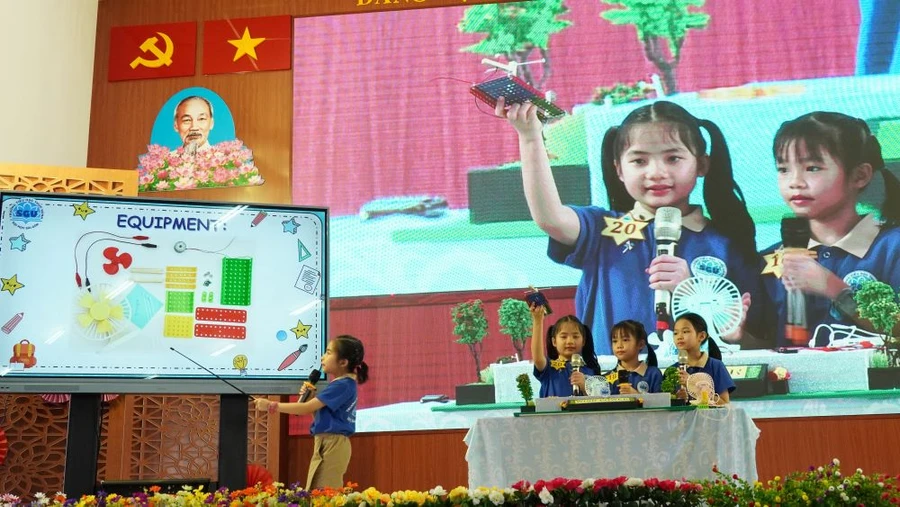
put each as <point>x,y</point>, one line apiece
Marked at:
<point>523,382</point>
<point>515,322</point>
<point>672,384</point>
<point>879,304</point>
<point>661,25</point>
<point>470,326</point>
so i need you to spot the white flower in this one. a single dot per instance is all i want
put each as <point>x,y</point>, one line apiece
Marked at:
<point>837,474</point>
<point>588,483</point>
<point>844,497</point>
<point>437,491</point>
<point>880,484</point>
<point>836,461</point>
<point>820,469</point>
<point>363,504</point>
<point>859,470</point>
<point>634,482</point>
<point>840,487</point>
<point>496,497</point>
<point>476,501</point>
<point>478,493</point>
<point>831,488</point>
<point>545,497</point>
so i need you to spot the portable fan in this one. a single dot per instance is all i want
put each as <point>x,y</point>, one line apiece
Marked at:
<point>596,385</point>
<point>698,382</point>
<point>101,313</point>
<point>715,299</point>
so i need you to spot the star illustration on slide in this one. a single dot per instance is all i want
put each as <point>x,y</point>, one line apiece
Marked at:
<point>246,45</point>
<point>18,242</point>
<point>11,285</point>
<point>290,226</point>
<point>301,330</point>
<point>82,210</point>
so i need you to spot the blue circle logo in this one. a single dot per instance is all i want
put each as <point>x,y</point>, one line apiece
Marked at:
<point>27,214</point>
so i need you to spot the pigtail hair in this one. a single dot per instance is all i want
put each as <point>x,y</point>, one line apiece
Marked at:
<point>713,349</point>
<point>724,198</point>
<point>362,372</point>
<point>651,356</point>
<point>890,209</point>
<point>550,350</point>
<point>619,198</point>
<point>588,353</point>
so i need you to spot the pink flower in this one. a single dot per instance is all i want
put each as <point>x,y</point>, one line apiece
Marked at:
<point>185,183</point>
<point>221,175</point>
<point>255,180</point>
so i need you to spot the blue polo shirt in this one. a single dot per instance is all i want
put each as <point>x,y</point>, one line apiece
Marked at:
<point>867,252</point>
<point>614,285</point>
<point>556,382</point>
<point>339,413</point>
<point>722,380</point>
<point>649,374</point>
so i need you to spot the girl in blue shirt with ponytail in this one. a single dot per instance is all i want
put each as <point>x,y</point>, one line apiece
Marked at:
<point>653,160</point>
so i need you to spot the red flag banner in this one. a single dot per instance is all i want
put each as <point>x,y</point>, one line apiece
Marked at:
<point>247,44</point>
<point>152,51</point>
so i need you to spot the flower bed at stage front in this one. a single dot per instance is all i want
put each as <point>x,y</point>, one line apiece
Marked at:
<point>824,485</point>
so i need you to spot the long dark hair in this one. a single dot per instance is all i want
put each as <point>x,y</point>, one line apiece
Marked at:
<point>587,352</point>
<point>635,329</point>
<point>350,348</point>
<point>723,197</point>
<point>699,324</point>
<point>849,141</point>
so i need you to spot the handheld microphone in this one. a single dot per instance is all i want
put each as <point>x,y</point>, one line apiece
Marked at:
<point>236,388</point>
<point>667,229</point>
<point>795,235</point>
<point>314,377</point>
<point>577,363</point>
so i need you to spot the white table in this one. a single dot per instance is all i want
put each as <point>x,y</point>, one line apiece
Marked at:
<point>666,444</point>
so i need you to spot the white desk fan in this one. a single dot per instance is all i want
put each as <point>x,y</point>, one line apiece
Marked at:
<point>715,299</point>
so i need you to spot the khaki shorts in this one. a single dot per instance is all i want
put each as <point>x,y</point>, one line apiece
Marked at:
<point>331,455</point>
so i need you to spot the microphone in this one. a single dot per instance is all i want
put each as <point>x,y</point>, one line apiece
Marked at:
<point>795,235</point>
<point>682,365</point>
<point>667,229</point>
<point>314,377</point>
<point>210,372</point>
<point>577,363</point>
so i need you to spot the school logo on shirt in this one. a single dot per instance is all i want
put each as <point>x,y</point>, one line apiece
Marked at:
<point>624,228</point>
<point>856,279</point>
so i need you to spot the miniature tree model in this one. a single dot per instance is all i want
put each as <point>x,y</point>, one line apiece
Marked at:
<point>660,23</point>
<point>523,382</point>
<point>878,304</point>
<point>515,30</point>
<point>515,322</point>
<point>470,326</point>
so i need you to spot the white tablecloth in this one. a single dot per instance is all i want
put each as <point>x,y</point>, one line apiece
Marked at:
<point>670,444</point>
<point>811,370</point>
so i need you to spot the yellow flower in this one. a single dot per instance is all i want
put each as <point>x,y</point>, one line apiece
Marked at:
<point>459,493</point>
<point>778,499</point>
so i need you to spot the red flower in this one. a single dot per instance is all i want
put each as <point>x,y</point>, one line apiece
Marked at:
<point>667,485</point>
<point>573,484</point>
<point>521,485</point>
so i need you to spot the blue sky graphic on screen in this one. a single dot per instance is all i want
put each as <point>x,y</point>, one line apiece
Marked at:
<point>97,291</point>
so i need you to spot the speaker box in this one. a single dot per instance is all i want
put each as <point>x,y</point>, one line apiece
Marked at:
<point>127,487</point>
<point>497,194</point>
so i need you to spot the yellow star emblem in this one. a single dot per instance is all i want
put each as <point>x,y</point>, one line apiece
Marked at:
<point>301,330</point>
<point>558,364</point>
<point>82,210</point>
<point>11,285</point>
<point>246,45</point>
<point>775,260</point>
<point>624,228</point>
<point>773,263</point>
